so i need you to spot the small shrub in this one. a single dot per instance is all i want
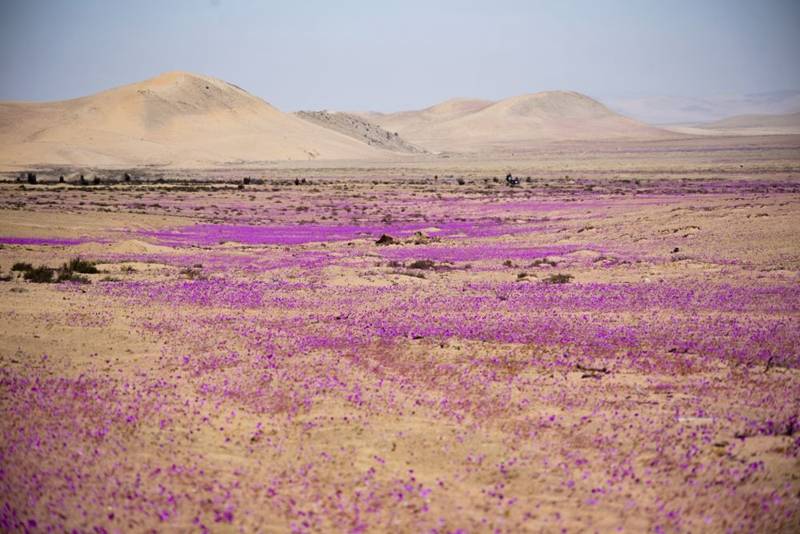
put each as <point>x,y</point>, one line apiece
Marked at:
<point>80,266</point>
<point>192,274</point>
<point>558,278</point>
<point>413,274</point>
<point>40,275</point>
<point>128,269</point>
<point>522,276</point>
<point>70,276</point>
<point>422,264</point>
<point>21,266</point>
<point>543,261</point>
<point>386,239</point>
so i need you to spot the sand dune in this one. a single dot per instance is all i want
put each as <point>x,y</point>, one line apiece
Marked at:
<point>175,119</point>
<point>513,123</point>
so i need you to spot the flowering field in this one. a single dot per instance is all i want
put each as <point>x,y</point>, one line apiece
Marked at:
<point>403,356</point>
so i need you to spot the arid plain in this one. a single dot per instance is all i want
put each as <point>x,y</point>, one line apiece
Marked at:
<point>404,342</point>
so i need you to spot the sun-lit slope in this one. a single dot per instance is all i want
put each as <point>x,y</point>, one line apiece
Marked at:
<point>177,119</point>
<point>516,122</point>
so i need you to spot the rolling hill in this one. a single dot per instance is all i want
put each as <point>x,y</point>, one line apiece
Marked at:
<point>176,119</point>
<point>513,123</point>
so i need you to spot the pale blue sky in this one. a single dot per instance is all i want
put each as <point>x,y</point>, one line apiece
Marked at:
<point>384,55</point>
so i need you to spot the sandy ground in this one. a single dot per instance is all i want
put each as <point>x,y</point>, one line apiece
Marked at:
<point>249,359</point>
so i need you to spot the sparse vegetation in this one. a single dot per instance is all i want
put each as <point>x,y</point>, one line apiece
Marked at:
<point>71,276</point>
<point>543,261</point>
<point>40,275</point>
<point>559,278</point>
<point>68,272</point>
<point>192,274</point>
<point>302,314</point>
<point>80,266</point>
<point>422,264</point>
<point>21,266</point>
<point>385,239</point>
<point>412,274</point>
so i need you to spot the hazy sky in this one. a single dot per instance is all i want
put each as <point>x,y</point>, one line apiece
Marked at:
<point>384,55</point>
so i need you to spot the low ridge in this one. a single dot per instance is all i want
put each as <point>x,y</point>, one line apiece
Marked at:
<point>785,120</point>
<point>361,129</point>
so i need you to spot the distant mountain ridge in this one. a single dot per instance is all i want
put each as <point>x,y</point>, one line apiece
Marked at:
<point>689,110</point>
<point>758,121</point>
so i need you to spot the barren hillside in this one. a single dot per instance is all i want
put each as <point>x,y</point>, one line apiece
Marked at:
<point>517,122</point>
<point>175,119</point>
<point>361,129</point>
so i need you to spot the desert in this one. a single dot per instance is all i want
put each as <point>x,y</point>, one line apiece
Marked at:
<point>523,311</point>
